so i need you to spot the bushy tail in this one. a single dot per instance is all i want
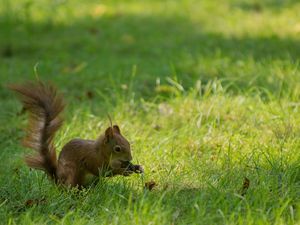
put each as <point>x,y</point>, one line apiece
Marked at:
<point>44,106</point>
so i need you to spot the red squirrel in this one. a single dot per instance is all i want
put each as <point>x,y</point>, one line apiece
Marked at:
<point>108,155</point>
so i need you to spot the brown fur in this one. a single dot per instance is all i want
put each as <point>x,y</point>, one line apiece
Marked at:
<point>78,157</point>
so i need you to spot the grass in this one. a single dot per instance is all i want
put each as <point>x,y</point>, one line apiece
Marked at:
<point>207,92</point>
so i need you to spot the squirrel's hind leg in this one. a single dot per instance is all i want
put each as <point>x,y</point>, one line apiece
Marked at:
<point>71,176</point>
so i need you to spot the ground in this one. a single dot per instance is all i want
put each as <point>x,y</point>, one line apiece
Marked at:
<point>206,91</point>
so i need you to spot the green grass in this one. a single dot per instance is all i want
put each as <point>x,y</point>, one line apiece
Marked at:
<point>206,91</point>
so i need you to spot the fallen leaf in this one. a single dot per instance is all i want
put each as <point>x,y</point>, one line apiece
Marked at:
<point>245,187</point>
<point>150,185</point>
<point>31,202</point>
<point>89,94</point>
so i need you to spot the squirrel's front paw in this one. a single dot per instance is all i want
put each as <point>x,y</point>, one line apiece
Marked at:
<point>138,169</point>
<point>131,168</point>
<point>135,168</point>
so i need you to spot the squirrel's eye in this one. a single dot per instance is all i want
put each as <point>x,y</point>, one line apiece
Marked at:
<point>117,148</point>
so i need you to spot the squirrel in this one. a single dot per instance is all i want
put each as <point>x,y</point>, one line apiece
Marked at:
<point>108,155</point>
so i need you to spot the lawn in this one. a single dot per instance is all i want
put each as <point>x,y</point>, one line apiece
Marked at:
<point>207,92</point>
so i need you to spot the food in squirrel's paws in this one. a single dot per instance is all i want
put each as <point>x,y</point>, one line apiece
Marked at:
<point>132,168</point>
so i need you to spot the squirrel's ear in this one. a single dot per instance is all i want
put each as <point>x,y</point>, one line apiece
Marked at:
<point>117,129</point>
<point>108,134</point>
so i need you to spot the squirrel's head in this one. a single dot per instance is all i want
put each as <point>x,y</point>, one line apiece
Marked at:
<point>117,147</point>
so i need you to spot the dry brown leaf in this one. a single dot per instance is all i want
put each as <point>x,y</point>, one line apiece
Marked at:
<point>150,185</point>
<point>31,202</point>
<point>245,187</point>
<point>89,94</point>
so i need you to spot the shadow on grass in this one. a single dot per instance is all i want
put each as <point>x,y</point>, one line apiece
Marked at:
<point>258,6</point>
<point>102,53</point>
